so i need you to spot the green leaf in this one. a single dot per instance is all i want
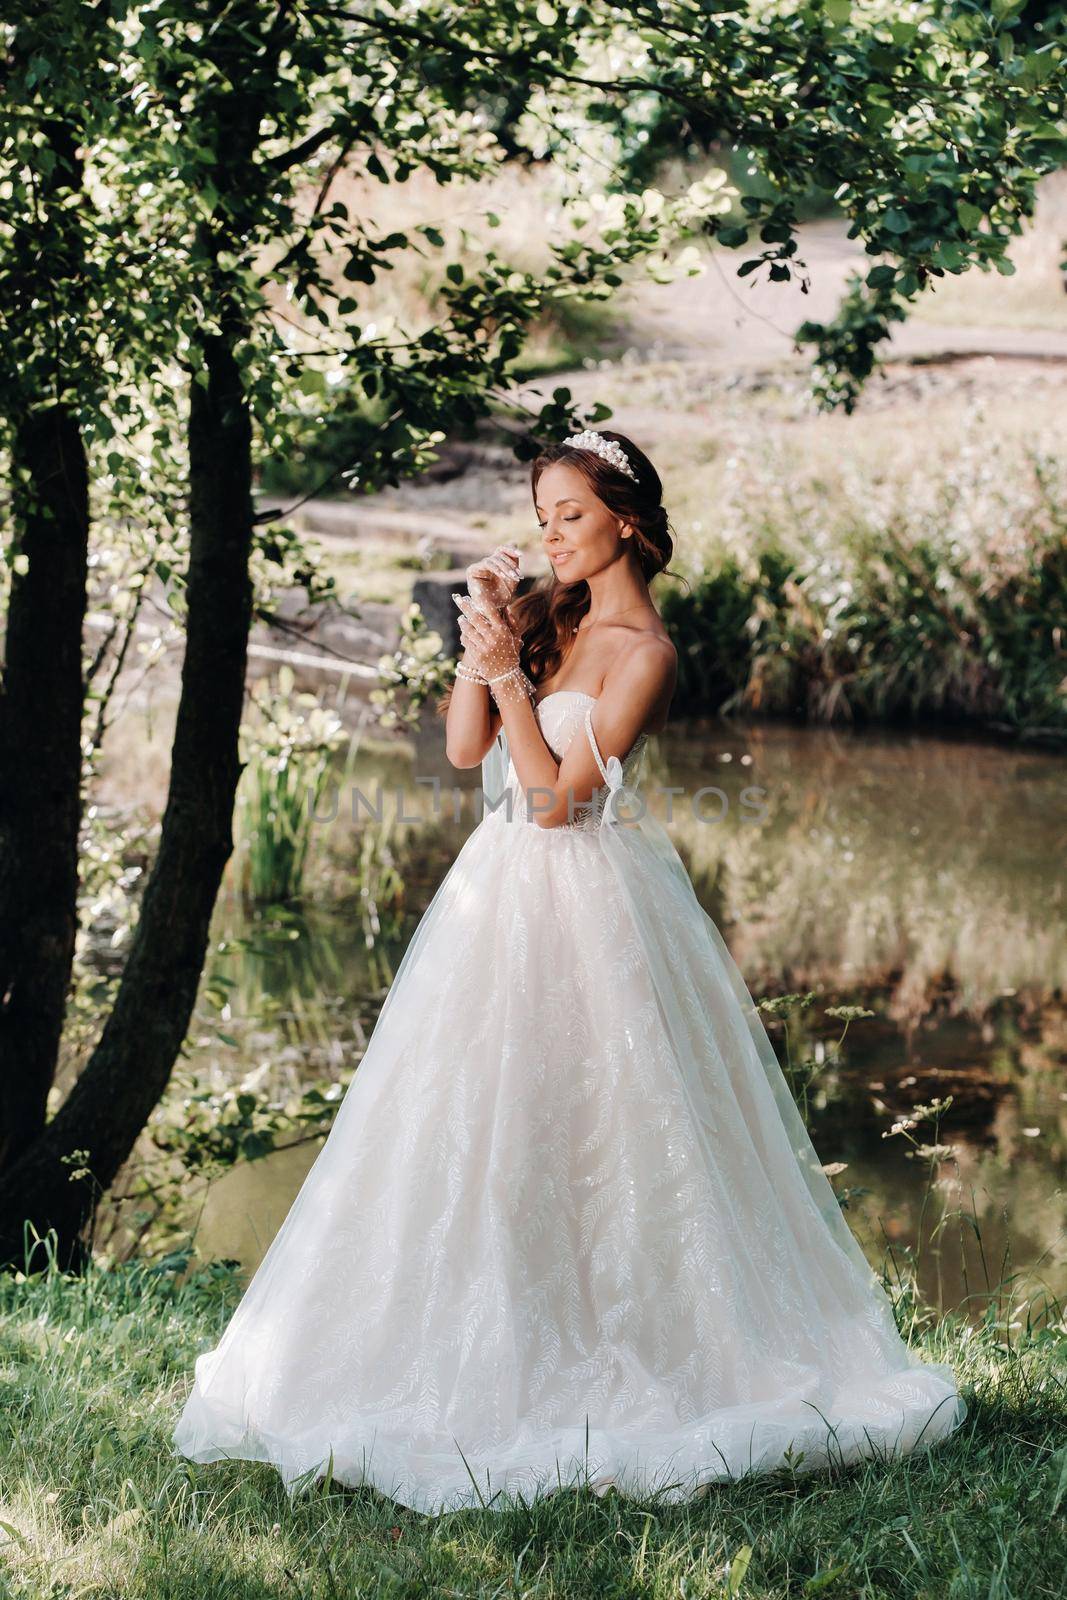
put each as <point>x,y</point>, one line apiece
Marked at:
<point>359,268</point>
<point>312,381</point>
<point>826,1579</point>
<point>38,69</point>
<point>738,1567</point>
<point>1035,68</point>
<point>949,255</point>
<point>1061,1487</point>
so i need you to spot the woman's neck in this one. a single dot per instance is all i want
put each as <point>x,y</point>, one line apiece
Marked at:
<point>619,589</point>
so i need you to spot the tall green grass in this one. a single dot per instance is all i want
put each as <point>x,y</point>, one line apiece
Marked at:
<point>289,743</point>
<point>839,591</point>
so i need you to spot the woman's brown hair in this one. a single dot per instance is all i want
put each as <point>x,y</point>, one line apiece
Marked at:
<point>546,616</point>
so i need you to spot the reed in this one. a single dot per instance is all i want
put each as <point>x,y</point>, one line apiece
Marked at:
<point>289,744</point>
<point>836,596</point>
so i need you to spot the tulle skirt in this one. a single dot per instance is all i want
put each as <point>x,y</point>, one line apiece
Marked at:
<point>568,1226</point>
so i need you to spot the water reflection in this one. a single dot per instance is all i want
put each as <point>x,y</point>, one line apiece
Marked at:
<point>916,875</point>
<point>920,864</point>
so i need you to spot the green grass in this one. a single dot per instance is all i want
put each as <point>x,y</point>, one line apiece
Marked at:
<point>93,1373</point>
<point>903,630</point>
<point>912,567</point>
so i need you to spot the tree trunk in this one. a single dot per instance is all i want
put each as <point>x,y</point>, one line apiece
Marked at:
<point>41,701</point>
<point>56,1181</point>
<point>131,1065</point>
<point>42,688</point>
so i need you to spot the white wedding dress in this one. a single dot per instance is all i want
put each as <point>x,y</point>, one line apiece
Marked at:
<point>568,1225</point>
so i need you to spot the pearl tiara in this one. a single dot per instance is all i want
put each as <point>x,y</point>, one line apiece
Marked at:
<point>608,450</point>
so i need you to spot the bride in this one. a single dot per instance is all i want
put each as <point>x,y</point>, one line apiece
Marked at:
<point>568,1226</point>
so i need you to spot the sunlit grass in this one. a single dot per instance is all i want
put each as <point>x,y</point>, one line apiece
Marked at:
<point>93,1373</point>
<point>378,571</point>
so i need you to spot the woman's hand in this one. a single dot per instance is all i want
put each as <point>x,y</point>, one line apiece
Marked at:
<point>492,581</point>
<point>491,645</point>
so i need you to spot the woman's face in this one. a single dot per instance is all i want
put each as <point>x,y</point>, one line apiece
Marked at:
<point>579,534</point>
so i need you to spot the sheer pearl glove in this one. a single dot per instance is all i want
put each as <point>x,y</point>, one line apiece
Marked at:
<point>492,581</point>
<point>493,649</point>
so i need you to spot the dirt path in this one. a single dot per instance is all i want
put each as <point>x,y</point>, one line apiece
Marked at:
<point>723,321</point>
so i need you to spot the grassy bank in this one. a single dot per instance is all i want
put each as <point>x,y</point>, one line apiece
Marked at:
<point>842,588</point>
<point>93,1373</point>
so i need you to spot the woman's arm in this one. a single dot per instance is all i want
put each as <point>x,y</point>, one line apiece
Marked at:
<point>471,724</point>
<point>626,704</point>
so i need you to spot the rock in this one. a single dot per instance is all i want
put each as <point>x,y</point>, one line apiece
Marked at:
<point>432,593</point>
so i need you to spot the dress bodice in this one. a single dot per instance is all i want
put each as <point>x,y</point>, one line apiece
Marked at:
<point>563,714</point>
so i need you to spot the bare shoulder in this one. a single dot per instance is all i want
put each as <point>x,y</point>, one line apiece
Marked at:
<point>645,668</point>
<point>657,647</point>
<point>649,653</point>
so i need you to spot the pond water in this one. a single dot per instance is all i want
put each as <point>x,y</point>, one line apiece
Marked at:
<point>917,876</point>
